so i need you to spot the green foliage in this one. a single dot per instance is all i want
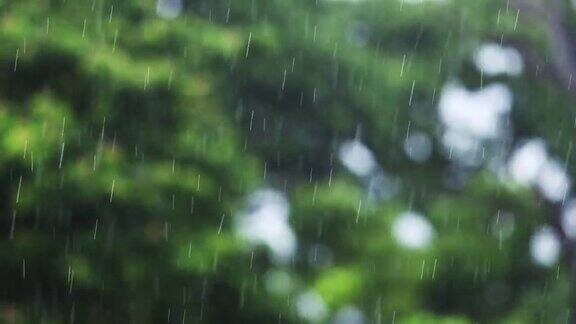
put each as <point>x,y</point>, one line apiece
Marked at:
<point>129,142</point>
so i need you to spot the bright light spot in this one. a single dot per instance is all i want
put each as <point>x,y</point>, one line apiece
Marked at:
<point>494,59</point>
<point>412,230</point>
<point>357,158</point>
<point>418,147</point>
<point>278,282</point>
<point>349,315</point>
<point>527,161</point>
<point>360,160</point>
<point>569,219</point>
<point>553,181</point>
<point>476,114</point>
<point>265,221</point>
<point>475,121</point>
<point>311,306</point>
<point>545,247</point>
<point>530,165</point>
<point>466,149</point>
<point>169,9</point>
<point>459,142</point>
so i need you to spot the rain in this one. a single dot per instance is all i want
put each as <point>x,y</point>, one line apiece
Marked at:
<point>294,161</point>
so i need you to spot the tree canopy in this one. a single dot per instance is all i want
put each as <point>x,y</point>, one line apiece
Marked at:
<point>263,161</point>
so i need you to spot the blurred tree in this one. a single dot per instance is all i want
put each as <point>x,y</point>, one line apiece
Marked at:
<point>132,132</point>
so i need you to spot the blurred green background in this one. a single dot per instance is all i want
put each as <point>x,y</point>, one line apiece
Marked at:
<point>287,161</point>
